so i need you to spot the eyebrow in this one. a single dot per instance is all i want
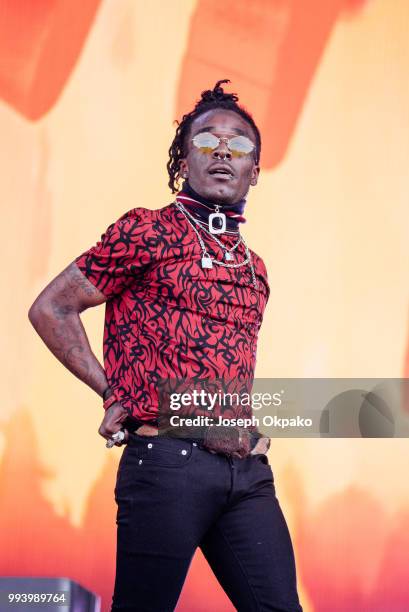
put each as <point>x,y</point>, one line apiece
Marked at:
<point>212,127</point>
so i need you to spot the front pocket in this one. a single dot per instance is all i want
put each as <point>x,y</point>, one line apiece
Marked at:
<point>263,458</point>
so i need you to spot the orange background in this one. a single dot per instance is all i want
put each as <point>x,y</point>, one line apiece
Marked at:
<point>88,93</point>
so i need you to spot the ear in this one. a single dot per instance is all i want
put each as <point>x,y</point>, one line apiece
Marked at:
<point>254,175</point>
<point>183,168</point>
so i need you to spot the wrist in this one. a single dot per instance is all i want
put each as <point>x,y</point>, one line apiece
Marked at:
<point>110,401</point>
<point>109,398</point>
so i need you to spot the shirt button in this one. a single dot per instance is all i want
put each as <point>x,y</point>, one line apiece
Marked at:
<point>150,445</point>
<point>194,443</point>
<point>184,452</point>
<point>140,461</point>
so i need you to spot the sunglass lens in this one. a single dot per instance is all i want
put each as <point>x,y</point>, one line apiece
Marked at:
<point>241,145</point>
<point>205,141</point>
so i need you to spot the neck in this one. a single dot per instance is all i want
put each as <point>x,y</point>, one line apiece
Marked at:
<point>201,207</point>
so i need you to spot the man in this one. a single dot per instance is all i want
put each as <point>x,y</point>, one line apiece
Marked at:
<point>184,299</point>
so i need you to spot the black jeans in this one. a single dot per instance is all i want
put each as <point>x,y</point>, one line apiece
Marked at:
<point>174,496</point>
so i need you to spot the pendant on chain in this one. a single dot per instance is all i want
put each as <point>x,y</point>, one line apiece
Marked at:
<point>221,217</point>
<point>207,261</point>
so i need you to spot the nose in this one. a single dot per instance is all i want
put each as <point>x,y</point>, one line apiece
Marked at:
<point>222,151</point>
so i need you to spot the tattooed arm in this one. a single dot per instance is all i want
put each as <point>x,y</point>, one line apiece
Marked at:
<point>55,315</point>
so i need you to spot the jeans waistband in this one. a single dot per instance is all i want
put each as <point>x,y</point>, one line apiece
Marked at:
<point>198,441</point>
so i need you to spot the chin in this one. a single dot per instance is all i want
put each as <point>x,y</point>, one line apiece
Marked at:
<point>220,194</point>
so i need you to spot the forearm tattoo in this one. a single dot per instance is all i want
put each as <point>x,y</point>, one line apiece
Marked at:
<point>61,328</point>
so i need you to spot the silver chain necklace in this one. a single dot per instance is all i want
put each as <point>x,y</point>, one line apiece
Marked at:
<point>227,252</point>
<point>207,261</point>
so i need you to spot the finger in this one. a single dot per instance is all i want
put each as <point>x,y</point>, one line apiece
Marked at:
<point>121,437</point>
<point>125,439</point>
<point>110,429</point>
<point>106,433</point>
<point>115,439</point>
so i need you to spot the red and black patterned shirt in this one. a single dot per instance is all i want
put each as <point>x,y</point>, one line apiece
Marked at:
<point>166,316</point>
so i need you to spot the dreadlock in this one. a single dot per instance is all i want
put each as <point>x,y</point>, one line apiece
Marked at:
<point>210,100</point>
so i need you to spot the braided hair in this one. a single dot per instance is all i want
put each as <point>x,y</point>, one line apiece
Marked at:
<point>211,99</point>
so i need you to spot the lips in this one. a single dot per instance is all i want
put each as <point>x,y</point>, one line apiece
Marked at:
<point>221,171</point>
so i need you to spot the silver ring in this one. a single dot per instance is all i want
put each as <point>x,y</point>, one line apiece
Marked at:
<point>119,436</point>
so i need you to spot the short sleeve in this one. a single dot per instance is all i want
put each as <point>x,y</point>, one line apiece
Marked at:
<point>261,274</point>
<point>264,276</point>
<point>126,248</point>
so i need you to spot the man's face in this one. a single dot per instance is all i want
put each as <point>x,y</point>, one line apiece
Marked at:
<point>236,174</point>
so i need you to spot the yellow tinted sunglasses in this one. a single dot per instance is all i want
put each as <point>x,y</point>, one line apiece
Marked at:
<point>207,142</point>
